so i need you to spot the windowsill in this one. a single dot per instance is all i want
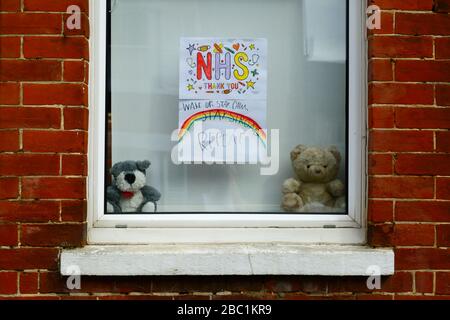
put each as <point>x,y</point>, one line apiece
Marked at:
<point>227,259</point>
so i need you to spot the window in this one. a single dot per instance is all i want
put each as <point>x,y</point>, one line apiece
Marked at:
<point>306,89</point>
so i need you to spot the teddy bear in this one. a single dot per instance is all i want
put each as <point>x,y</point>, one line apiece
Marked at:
<point>315,187</point>
<point>129,192</point>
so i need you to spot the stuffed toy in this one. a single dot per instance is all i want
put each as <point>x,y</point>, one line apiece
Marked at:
<point>129,192</point>
<point>315,187</point>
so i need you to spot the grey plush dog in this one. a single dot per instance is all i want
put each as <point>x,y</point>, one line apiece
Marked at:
<point>129,192</point>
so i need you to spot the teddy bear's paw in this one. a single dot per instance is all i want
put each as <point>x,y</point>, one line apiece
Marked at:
<point>109,208</point>
<point>149,207</point>
<point>336,188</point>
<point>340,203</point>
<point>291,186</point>
<point>292,202</point>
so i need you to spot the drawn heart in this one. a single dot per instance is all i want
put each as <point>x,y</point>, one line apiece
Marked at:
<point>236,46</point>
<point>190,62</point>
<point>255,59</point>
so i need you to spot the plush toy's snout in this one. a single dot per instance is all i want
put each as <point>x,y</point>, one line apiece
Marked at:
<point>130,178</point>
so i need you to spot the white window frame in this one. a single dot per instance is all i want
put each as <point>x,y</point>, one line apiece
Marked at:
<point>227,228</point>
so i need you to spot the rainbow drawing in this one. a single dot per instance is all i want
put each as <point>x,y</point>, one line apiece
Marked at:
<point>220,114</point>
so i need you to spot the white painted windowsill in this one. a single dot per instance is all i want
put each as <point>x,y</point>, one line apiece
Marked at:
<point>227,259</point>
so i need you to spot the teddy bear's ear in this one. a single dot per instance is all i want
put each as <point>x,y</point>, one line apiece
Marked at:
<point>115,170</point>
<point>297,151</point>
<point>335,152</point>
<point>143,165</point>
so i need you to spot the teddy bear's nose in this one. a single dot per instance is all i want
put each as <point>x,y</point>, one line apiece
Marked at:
<point>130,178</point>
<point>318,171</point>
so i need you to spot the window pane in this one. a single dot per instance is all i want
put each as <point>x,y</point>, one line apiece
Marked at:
<point>306,99</point>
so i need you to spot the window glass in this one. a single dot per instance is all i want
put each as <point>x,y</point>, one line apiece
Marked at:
<point>305,98</point>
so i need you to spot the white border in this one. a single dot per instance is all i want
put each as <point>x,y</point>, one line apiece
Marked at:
<point>186,228</point>
<point>234,259</point>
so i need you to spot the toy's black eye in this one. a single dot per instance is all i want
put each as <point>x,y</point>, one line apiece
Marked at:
<point>325,167</point>
<point>308,166</point>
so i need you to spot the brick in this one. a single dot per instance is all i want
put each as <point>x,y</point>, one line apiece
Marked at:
<point>380,211</point>
<point>30,23</point>
<point>401,141</point>
<point>443,283</point>
<point>380,70</point>
<point>315,285</point>
<point>30,70</point>
<point>36,117</point>
<point>8,282</point>
<point>423,71</point>
<point>64,235</point>
<point>55,141</point>
<point>86,72</point>
<point>410,5</point>
<point>422,24</point>
<point>423,118</point>
<point>441,6</point>
<point>443,95</point>
<point>74,165</point>
<point>29,211</point>
<point>374,297</point>
<point>443,188</point>
<point>54,6</point>
<point>442,48</point>
<point>401,47</point>
<point>380,235</point>
<point>29,164</point>
<point>50,94</point>
<point>387,24</point>
<point>53,282</point>
<point>53,188</point>
<point>443,141</point>
<point>413,235</point>
<point>422,258</point>
<point>423,164</point>
<point>9,93</point>
<point>443,235</point>
<point>29,258</point>
<point>381,117</point>
<point>386,235</point>
<point>74,71</point>
<point>9,47</point>
<point>424,282</point>
<point>399,282</point>
<point>73,211</point>
<point>8,235</point>
<point>9,188</point>
<point>28,282</point>
<point>55,47</point>
<point>10,5</point>
<point>9,140</point>
<point>401,93</point>
<point>76,118</point>
<point>422,211</point>
<point>380,164</point>
<point>401,187</point>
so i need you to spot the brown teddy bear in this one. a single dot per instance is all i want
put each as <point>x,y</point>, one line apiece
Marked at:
<point>315,188</point>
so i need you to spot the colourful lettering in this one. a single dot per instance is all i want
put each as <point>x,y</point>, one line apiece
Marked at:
<point>206,67</point>
<point>241,56</point>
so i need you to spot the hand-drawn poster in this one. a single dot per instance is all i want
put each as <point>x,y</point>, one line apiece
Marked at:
<point>222,106</point>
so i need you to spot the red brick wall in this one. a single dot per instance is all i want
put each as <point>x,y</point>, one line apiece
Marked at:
<point>43,132</point>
